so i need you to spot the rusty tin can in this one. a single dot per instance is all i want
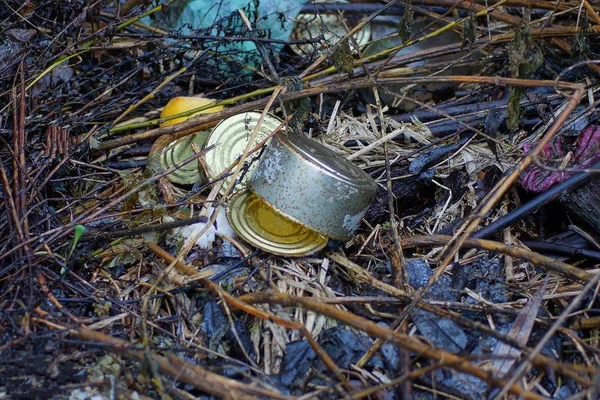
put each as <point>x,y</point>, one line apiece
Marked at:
<point>230,138</point>
<point>313,186</point>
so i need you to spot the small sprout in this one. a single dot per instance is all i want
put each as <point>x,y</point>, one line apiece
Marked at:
<point>512,108</point>
<point>299,108</point>
<point>524,56</point>
<point>78,232</point>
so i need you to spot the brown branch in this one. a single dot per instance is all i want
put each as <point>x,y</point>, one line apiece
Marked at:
<point>48,293</point>
<point>494,196</point>
<point>490,200</point>
<point>203,122</point>
<point>360,274</point>
<point>545,262</point>
<point>194,375</point>
<point>94,212</point>
<point>240,305</point>
<point>165,226</point>
<point>11,207</point>
<point>446,359</point>
<point>318,78</point>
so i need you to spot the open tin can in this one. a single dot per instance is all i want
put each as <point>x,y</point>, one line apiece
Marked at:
<point>230,138</point>
<point>303,182</point>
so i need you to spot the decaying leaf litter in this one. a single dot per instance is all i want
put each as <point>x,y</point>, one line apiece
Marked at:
<point>467,116</point>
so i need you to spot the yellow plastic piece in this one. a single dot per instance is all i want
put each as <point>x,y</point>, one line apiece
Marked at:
<point>182,104</point>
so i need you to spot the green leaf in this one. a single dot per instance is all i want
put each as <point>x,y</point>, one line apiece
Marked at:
<point>79,231</point>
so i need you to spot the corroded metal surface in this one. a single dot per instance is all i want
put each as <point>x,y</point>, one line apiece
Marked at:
<point>312,185</point>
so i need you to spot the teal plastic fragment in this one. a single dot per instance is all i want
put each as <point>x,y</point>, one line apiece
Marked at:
<point>272,19</point>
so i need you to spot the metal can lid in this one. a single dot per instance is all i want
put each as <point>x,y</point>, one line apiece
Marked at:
<point>309,26</point>
<point>265,228</point>
<point>179,151</point>
<point>230,138</point>
<point>328,161</point>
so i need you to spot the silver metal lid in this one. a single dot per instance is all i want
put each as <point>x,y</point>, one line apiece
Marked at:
<point>230,138</point>
<point>328,161</point>
<point>177,152</point>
